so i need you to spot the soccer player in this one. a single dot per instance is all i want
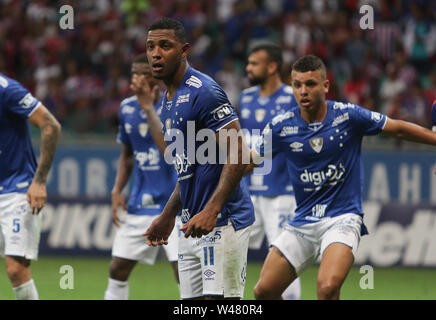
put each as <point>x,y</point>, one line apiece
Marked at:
<point>153,183</point>
<point>216,208</point>
<point>272,196</point>
<point>323,156</point>
<point>22,181</point>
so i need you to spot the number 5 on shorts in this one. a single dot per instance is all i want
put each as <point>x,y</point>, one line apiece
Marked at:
<point>16,225</point>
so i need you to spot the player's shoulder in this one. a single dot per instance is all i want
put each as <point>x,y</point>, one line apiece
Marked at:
<point>250,91</point>
<point>9,84</point>
<point>284,118</point>
<point>128,105</point>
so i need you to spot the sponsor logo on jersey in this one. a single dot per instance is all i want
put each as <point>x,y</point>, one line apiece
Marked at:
<point>283,99</point>
<point>316,144</point>
<point>287,130</point>
<point>222,112</point>
<point>339,119</point>
<point>281,117</point>
<point>182,99</point>
<point>27,101</point>
<point>246,99</point>
<point>194,82</point>
<point>209,274</point>
<point>3,82</point>
<point>259,114</point>
<point>296,146</point>
<point>341,106</point>
<point>143,129</point>
<point>127,109</point>
<point>148,160</point>
<point>332,175</point>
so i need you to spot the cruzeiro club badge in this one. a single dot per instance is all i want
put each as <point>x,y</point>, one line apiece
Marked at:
<point>316,144</point>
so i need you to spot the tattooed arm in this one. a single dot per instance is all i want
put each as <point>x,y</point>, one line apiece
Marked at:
<point>50,130</point>
<point>231,175</point>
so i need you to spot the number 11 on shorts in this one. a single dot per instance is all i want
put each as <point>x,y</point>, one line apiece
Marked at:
<point>208,256</point>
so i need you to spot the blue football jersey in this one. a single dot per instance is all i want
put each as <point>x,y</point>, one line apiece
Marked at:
<point>324,158</point>
<point>17,159</point>
<point>154,179</point>
<point>255,112</point>
<point>200,103</point>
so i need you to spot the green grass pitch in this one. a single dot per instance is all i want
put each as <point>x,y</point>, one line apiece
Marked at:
<point>158,283</point>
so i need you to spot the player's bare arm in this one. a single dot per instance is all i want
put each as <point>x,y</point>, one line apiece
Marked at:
<point>160,229</point>
<point>409,131</point>
<point>125,167</point>
<point>50,130</point>
<point>231,175</point>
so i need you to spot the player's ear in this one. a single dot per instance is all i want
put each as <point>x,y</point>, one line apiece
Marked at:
<point>185,49</point>
<point>326,86</point>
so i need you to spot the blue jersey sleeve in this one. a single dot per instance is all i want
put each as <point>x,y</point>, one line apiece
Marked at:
<point>214,108</point>
<point>18,100</point>
<point>369,122</point>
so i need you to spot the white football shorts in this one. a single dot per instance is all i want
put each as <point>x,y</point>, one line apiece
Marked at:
<point>129,242</point>
<point>272,215</point>
<point>19,228</point>
<point>215,264</point>
<point>303,245</point>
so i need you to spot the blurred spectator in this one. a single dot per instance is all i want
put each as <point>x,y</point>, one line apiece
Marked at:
<point>82,74</point>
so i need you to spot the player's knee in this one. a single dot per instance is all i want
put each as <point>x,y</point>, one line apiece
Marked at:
<point>263,291</point>
<point>17,273</point>
<point>119,270</point>
<point>328,289</point>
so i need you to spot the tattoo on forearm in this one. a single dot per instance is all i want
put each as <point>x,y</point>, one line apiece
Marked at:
<point>49,136</point>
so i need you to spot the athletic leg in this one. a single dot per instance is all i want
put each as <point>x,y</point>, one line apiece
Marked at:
<point>335,265</point>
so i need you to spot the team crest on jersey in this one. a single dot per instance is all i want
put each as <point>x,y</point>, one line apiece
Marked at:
<point>168,124</point>
<point>143,129</point>
<point>316,144</point>
<point>259,114</point>
<point>128,128</point>
<point>245,113</point>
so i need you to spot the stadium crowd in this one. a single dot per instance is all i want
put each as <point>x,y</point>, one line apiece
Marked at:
<point>81,75</point>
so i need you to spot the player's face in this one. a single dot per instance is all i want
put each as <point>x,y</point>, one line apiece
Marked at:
<point>257,67</point>
<point>164,53</point>
<point>143,70</point>
<point>309,89</point>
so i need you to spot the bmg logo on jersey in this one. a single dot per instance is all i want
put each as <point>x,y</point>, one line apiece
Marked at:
<point>333,175</point>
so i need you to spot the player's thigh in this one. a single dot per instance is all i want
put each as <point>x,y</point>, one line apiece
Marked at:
<point>339,244</point>
<point>20,229</point>
<point>129,242</point>
<point>276,274</point>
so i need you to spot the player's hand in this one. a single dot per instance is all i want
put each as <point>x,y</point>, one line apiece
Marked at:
<point>36,196</point>
<point>146,95</point>
<point>159,231</point>
<point>201,224</point>
<point>117,201</point>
